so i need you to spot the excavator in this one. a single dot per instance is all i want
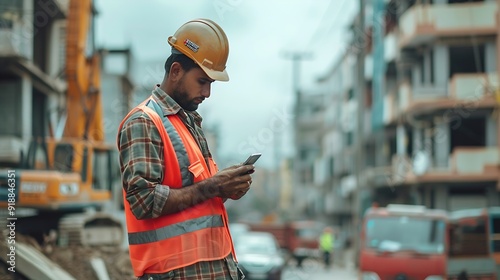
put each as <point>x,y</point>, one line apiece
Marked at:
<point>69,188</point>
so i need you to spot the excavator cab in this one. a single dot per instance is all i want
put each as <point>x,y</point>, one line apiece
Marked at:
<point>70,189</point>
<point>74,174</point>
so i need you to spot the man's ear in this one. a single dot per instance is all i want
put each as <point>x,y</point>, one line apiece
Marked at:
<point>176,71</point>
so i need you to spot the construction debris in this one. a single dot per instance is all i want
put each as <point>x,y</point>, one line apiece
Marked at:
<point>52,262</point>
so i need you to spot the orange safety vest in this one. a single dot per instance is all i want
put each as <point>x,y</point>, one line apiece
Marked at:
<point>198,233</point>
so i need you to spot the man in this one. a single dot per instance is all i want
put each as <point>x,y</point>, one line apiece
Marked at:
<point>176,221</point>
<point>326,241</point>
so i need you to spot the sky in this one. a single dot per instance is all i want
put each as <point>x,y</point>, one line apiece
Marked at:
<point>253,111</point>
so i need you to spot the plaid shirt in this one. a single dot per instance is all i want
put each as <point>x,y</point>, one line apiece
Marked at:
<point>142,167</point>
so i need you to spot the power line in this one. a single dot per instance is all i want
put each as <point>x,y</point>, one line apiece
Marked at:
<point>317,32</point>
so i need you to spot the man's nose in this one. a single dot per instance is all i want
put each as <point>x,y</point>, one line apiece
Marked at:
<point>206,91</point>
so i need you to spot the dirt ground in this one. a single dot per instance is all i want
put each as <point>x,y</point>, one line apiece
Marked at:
<point>76,260</point>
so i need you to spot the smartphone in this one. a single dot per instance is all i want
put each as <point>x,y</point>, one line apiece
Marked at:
<point>252,159</point>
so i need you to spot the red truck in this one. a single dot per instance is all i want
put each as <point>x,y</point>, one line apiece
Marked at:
<point>474,243</point>
<point>403,242</point>
<point>298,238</point>
<point>413,242</point>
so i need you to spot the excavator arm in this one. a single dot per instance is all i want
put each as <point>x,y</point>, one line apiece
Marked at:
<point>84,109</point>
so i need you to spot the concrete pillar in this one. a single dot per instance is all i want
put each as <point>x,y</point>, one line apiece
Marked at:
<point>24,39</point>
<point>490,57</point>
<point>417,140</point>
<point>416,79</point>
<point>441,66</point>
<point>401,140</point>
<point>441,197</point>
<point>26,108</point>
<point>427,67</point>
<point>491,131</point>
<point>441,142</point>
<point>380,157</point>
<point>428,146</point>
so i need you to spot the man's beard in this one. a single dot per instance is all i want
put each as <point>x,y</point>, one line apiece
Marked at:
<point>181,97</point>
<point>187,104</point>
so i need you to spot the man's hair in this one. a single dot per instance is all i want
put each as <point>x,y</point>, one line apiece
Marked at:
<point>185,62</point>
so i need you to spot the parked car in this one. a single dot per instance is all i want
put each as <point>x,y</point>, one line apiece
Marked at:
<point>299,238</point>
<point>259,255</point>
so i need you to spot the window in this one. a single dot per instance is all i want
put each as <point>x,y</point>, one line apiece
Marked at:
<point>466,59</point>
<point>467,132</point>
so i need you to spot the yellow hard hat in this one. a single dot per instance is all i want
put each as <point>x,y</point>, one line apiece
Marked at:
<point>205,42</point>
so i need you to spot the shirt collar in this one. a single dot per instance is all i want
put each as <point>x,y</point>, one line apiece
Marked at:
<point>170,107</point>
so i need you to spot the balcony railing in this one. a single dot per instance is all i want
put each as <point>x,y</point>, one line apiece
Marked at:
<point>474,160</point>
<point>473,86</point>
<point>423,22</point>
<point>378,176</point>
<point>16,37</point>
<point>429,92</point>
<point>480,87</point>
<point>311,120</point>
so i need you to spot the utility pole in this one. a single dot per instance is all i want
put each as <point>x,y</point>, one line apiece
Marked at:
<point>296,58</point>
<point>360,98</point>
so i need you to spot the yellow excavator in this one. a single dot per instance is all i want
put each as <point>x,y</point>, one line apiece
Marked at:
<point>70,189</point>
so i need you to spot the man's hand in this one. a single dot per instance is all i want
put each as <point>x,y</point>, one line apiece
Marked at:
<point>233,182</point>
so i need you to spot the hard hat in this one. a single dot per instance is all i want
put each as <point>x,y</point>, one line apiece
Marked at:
<point>205,42</point>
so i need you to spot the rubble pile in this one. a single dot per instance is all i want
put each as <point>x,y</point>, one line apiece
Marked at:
<point>76,260</point>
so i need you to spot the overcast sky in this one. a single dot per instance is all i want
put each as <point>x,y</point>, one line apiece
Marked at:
<point>253,109</point>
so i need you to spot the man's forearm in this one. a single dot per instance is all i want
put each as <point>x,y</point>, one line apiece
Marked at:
<point>181,198</point>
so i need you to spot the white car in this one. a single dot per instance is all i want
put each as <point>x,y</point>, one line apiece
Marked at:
<point>259,255</point>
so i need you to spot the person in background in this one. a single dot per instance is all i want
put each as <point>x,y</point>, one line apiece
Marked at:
<point>326,243</point>
<point>173,192</point>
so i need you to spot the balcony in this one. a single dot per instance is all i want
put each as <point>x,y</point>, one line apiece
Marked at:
<point>470,90</point>
<point>16,37</point>
<point>311,120</point>
<point>23,20</point>
<point>423,23</point>
<point>475,161</point>
<point>466,164</point>
<point>473,86</point>
<point>375,177</point>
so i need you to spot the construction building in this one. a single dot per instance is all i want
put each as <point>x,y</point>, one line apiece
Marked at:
<point>428,108</point>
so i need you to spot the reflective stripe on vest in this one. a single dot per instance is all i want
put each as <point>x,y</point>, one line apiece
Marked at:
<point>174,230</point>
<point>180,150</point>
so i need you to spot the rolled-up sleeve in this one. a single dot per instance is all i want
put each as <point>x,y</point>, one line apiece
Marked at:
<point>141,163</point>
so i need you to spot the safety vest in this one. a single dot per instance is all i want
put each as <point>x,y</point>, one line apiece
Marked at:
<point>198,233</point>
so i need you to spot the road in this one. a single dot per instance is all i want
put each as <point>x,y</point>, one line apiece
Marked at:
<point>314,270</point>
<point>319,273</point>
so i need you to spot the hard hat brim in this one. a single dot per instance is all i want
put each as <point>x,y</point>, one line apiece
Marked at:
<point>216,75</point>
